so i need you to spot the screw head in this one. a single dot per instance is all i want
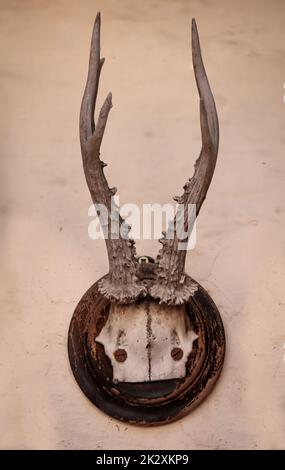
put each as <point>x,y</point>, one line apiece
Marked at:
<point>120,355</point>
<point>176,354</point>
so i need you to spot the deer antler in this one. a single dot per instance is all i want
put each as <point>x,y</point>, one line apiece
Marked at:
<point>172,285</point>
<point>120,283</point>
<point>168,282</point>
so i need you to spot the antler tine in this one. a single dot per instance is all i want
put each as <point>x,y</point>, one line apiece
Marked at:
<point>173,286</point>
<point>87,125</point>
<point>206,163</point>
<point>120,283</point>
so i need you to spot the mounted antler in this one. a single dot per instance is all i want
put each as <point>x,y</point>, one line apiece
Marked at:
<point>124,283</point>
<point>172,285</point>
<point>120,283</point>
<point>121,354</point>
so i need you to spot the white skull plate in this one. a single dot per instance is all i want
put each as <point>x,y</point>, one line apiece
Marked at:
<point>154,341</point>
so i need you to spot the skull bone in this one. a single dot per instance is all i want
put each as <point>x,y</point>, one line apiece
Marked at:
<point>147,333</point>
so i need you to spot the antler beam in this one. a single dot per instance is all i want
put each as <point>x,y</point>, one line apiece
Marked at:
<point>120,283</point>
<point>172,285</point>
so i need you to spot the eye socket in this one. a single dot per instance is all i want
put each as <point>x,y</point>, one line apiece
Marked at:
<point>120,355</point>
<point>176,354</point>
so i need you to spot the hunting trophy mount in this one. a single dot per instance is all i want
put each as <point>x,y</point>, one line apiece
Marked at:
<point>146,342</point>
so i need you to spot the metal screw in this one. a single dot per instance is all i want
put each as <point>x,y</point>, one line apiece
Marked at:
<point>176,354</point>
<point>120,355</point>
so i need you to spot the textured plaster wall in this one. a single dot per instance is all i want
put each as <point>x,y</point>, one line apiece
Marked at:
<point>152,140</point>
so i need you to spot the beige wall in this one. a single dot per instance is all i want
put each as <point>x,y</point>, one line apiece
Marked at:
<point>47,260</point>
